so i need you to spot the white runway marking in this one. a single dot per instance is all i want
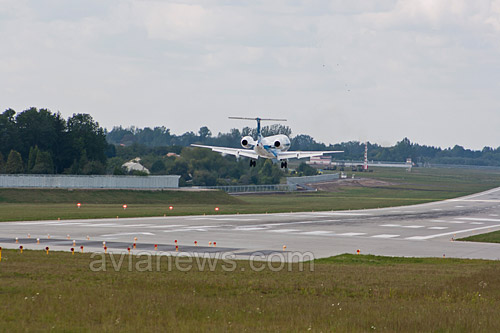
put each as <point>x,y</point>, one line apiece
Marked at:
<point>403,226</point>
<point>182,230</point>
<point>39,223</point>
<point>289,223</point>
<point>493,214</point>
<point>166,226</point>
<point>283,230</point>
<point>250,228</point>
<point>437,228</point>
<point>68,224</point>
<point>437,209</point>
<point>459,206</point>
<point>128,234</point>
<point>478,219</point>
<point>319,232</point>
<point>105,225</point>
<point>349,214</point>
<point>416,238</point>
<point>453,222</point>
<point>451,233</point>
<point>135,225</point>
<point>479,200</point>
<point>352,234</point>
<point>385,236</point>
<point>476,223</point>
<point>223,219</point>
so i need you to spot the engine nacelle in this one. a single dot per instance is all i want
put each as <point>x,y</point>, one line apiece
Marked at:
<point>277,144</point>
<point>247,142</point>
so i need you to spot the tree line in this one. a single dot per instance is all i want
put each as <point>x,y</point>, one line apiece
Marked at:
<point>42,142</point>
<point>353,150</point>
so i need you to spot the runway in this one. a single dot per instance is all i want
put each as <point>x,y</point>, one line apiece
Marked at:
<point>423,230</point>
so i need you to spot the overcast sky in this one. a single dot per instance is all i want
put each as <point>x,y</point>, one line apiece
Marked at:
<point>338,70</point>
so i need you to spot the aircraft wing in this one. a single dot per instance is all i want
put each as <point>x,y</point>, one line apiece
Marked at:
<point>303,154</point>
<point>231,151</point>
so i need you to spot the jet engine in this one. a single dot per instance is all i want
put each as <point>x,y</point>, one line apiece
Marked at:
<point>277,144</point>
<point>247,142</point>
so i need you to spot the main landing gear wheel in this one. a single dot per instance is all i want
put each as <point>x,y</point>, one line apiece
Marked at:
<point>284,164</point>
<point>253,163</point>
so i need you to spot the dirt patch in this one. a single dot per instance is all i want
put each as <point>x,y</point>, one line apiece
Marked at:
<point>336,185</point>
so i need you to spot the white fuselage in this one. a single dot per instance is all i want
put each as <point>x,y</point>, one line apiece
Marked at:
<point>270,146</point>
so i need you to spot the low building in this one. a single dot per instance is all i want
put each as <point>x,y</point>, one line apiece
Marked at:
<point>324,161</point>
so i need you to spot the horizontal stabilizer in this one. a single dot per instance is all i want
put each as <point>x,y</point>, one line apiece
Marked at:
<point>257,118</point>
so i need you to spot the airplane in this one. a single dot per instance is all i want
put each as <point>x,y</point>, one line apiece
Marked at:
<point>272,147</point>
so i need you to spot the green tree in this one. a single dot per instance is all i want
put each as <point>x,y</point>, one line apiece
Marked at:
<point>85,134</point>
<point>306,170</point>
<point>8,132</point>
<point>32,158</point>
<point>158,167</point>
<point>269,173</point>
<point>43,163</point>
<point>44,129</point>
<point>94,168</point>
<point>82,163</point>
<point>118,171</point>
<point>204,178</point>
<point>204,133</point>
<point>2,163</point>
<point>14,163</point>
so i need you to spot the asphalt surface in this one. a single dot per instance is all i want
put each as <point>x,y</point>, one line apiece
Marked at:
<point>425,230</point>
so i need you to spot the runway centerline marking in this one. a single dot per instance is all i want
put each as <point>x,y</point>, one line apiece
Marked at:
<point>384,236</point>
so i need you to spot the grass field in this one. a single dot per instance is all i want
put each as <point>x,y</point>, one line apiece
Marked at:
<point>59,292</point>
<point>419,186</point>
<point>491,237</point>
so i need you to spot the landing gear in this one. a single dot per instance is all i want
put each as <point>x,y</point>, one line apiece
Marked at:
<point>284,164</point>
<point>253,163</point>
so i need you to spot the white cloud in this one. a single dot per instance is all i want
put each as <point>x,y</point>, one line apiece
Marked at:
<point>376,70</point>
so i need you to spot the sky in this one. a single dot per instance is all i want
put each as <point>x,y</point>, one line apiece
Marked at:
<point>376,70</point>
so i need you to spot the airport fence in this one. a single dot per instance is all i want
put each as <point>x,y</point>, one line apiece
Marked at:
<point>89,182</point>
<point>253,188</point>
<point>302,181</point>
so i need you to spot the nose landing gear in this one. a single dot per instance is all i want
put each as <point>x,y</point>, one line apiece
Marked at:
<point>253,163</point>
<point>284,164</point>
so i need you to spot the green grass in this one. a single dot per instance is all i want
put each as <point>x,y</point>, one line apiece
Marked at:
<point>490,237</point>
<point>422,185</point>
<point>59,292</point>
<point>119,197</point>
